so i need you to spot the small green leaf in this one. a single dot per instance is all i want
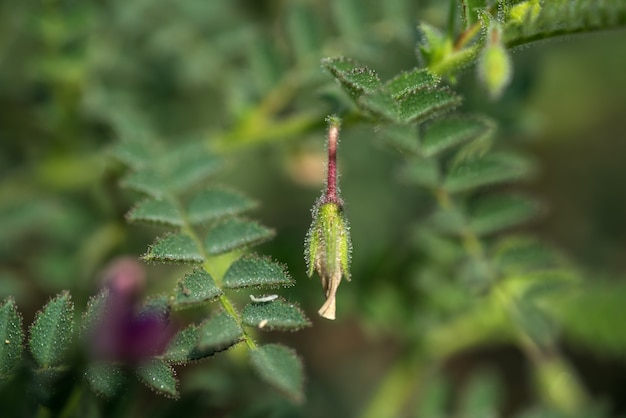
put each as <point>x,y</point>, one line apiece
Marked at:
<point>422,171</point>
<point>447,133</point>
<point>52,331</point>
<point>275,315</point>
<point>401,137</point>
<point>253,271</point>
<point>189,165</point>
<point>153,211</point>
<point>354,78</point>
<point>212,204</point>
<point>234,234</point>
<point>219,333</point>
<point>407,82</point>
<point>95,308</point>
<point>135,153</point>
<point>487,170</point>
<point>105,379</point>
<point>160,377</point>
<point>195,288</point>
<point>280,367</point>
<point>174,248</point>
<point>380,104</point>
<point>146,181</point>
<point>517,255</point>
<point>183,348</point>
<point>11,338</point>
<point>495,213</point>
<point>418,106</point>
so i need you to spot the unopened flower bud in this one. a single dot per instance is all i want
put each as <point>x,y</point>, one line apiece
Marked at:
<point>328,244</point>
<point>495,69</point>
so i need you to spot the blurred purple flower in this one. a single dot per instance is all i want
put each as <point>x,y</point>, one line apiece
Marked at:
<point>126,333</point>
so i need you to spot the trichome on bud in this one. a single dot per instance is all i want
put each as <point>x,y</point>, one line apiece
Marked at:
<point>328,245</point>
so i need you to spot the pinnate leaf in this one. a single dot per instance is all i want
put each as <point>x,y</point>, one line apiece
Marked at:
<point>153,211</point>
<point>159,376</point>
<point>213,204</point>
<point>234,234</point>
<point>195,288</point>
<point>354,78</point>
<point>447,133</point>
<point>277,314</point>
<point>178,247</point>
<point>253,271</point>
<point>104,378</point>
<point>219,333</point>
<point>52,331</point>
<point>11,337</point>
<point>487,170</point>
<point>280,367</point>
<point>495,213</point>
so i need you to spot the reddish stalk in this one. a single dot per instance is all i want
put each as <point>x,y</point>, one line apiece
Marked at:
<point>331,180</point>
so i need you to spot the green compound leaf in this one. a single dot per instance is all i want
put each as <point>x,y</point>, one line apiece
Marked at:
<point>234,234</point>
<point>180,248</point>
<point>153,211</point>
<point>11,337</point>
<point>448,133</point>
<point>407,82</point>
<point>275,315</point>
<point>189,165</point>
<point>280,367</point>
<point>354,78</point>
<point>105,379</point>
<point>52,331</point>
<point>195,288</point>
<point>253,271</point>
<point>418,106</point>
<point>146,181</point>
<point>160,377</point>
<point>495,213</point>
<point>219,333</point>
<point>487,170</point>
<point>210,205</point>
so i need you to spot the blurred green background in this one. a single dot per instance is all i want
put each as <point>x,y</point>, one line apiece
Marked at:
<point>75,76</point>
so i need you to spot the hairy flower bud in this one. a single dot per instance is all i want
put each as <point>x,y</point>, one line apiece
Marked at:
<point>328,245</point>
<point>495,69</point>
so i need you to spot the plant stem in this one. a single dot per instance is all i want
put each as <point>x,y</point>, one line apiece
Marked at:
<point>331,181</point>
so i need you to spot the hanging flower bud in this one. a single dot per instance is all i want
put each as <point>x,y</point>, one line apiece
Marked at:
<point>495,69</point>
<point>328,245</point>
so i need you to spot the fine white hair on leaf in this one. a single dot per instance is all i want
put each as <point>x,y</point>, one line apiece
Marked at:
<point>264,298</point>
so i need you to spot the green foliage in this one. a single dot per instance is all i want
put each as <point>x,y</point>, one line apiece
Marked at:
<point>105,379</point>
<point>195,288</point>
<point>52,331</point>
<point>11,337</point>
<point>253,271</point>
<point>189,95</point>
<point>219,333</point>
<point>159,377</point>
<point>274,315</point>
<point>279,366</point>
<point>234,234</point>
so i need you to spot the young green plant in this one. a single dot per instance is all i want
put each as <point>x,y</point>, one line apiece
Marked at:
<point>328,245</point>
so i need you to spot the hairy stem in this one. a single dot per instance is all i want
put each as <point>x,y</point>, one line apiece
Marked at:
<point>331,181</point>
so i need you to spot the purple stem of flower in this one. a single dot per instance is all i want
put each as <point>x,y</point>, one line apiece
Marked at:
<point>331,181</point>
